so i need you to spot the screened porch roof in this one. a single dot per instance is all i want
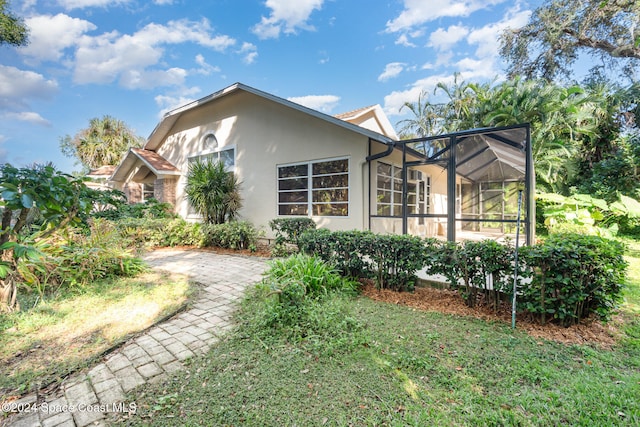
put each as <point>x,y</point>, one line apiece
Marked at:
<point>497,154</point>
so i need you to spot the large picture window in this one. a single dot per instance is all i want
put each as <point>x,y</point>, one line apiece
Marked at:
<point>319,188</point>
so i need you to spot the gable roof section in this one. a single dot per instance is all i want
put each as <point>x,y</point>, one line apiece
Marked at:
<point>166,124</point>
<point>359,117</point>
<point>155,162</point>
<point>102,172</point>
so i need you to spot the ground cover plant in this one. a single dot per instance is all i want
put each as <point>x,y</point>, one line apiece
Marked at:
<point>406,367</point>
<point>45,342</point>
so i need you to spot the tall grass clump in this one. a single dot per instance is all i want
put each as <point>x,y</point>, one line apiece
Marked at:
<point>303,300</point>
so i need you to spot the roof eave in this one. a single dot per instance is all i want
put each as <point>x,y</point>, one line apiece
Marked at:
<point>169,119</point>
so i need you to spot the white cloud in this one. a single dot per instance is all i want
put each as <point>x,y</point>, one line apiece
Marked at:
<point>250,52</point>
<point>286,16</point>
<point>395,100</point>
<point>205,68</point>
<point>110,56</point>
<point>50,35</point>
<point>392,70</point>
<point>172,101</point>
<point>81,4</point>
<point>442,39</point>
<point>17,86</point>
<point>148,79</point>
<point>163,2</point>
<point>28,116</point>
<point>417,12</point>
<point>324,103</point>
<point>403,40</point>
<point>486,38</point>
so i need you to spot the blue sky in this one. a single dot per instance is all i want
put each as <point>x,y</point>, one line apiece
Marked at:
<point>135,60</point>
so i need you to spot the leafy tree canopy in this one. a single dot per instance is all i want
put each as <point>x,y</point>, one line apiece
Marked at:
<point>104,142</point>
<point>560,30</point>
<point>572,127</point>
<point>12,28</point>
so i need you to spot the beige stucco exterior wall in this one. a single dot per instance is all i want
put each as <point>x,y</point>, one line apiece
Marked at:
<point>266,134</point>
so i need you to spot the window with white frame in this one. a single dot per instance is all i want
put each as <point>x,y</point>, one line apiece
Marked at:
<point>316,188</point>
<point>389,191</point>
<point>147,192</point>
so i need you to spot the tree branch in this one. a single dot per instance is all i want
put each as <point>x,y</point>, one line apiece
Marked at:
<point>624,51</point>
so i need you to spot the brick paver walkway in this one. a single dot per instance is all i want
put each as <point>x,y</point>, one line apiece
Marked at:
<point>88,397</point>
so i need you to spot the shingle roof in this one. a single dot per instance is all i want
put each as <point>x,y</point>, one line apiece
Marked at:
<point>102,171</point>
<point>354,113</point>
<point>156,161</point>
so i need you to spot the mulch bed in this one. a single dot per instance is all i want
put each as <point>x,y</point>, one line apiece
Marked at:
<point>449,302</point>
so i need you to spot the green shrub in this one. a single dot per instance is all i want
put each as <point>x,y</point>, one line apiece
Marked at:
<point>303,298</point>
<point>572,277</point>
<point>161,232</point>
<point>73,258</point>
<point>343,250</point>
<point>113,205</point>
<point>289,231</point>
<point>392,259</point>
<point>485,268</point>
<point>231,235</point>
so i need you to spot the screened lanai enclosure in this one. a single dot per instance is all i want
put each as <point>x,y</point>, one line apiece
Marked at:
<point>460,186</point>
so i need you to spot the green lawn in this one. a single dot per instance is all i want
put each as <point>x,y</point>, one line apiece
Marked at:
<point>400,367</point>
<point>45,342</point>
<point>632,294</point>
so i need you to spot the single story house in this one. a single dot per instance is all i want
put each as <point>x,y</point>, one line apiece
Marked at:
<point>346,171</point>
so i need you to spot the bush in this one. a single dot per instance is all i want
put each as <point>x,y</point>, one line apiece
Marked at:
<point>289,231</point>
<point>74,258</point>
<point>483,267</point>
<point>572,277</point>
<point>304,299</point>
<point>159,232</point>
<point>391,259</point>
<point>231,235</point>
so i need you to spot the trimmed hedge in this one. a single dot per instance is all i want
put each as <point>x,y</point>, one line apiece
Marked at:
<point>391,259</point>
<point>573,276</point>
<point>564,279</point>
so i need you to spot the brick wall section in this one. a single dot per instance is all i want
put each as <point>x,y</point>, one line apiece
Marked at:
<point>164,190</point>
<point>133,192</point>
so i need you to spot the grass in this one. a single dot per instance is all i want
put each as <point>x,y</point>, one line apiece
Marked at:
<point>402,367</point>
<point>42,344</point>
<point>632,293</point>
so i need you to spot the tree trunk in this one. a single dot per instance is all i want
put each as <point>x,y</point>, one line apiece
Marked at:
<point>8,295</point>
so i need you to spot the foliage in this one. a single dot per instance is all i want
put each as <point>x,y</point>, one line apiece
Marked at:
<point>391,259</point>
<point>13,31</point>
<point>558,117</point>
<point>231,235</point>
<point>484,268</point>
<point>289,230</point>
<point>57,198</point>
<point>212,191</point>
<point>161,232</point>
<point>104,142</point>
<point>586,214</point>
<point>298,299</point>
<point>572,277</point>
<point>560,30</point>
<point>112,204</point>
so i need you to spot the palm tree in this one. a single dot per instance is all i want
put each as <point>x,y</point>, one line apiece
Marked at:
<point>103,143</point>
<point>212,191</point>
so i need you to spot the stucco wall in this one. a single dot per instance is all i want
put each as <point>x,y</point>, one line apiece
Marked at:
<point>266,134</point>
